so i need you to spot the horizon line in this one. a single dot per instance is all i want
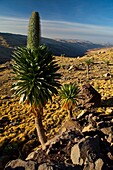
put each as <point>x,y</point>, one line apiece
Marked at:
<point>58,29</point>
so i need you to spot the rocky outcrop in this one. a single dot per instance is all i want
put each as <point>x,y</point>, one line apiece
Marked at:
<point>83,144</point>
<point>87,148</point>
<point>21,165</point>
<point>90,97</point>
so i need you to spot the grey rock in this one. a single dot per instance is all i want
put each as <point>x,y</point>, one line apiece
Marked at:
<point>87,148</point>
<point>99,164</point>
<point>49,166</point>
<point>106,130</point>
<point>46,166</point>
<point>87,128</point>
<point>75,155</point>
<point>90,96</point>
<point>21,165</point>
<point>33,155</point>
<point>89,166</point>
<point>110,138</point>
<point>82,114</point>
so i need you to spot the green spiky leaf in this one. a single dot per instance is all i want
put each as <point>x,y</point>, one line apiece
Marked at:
<point>36,77</point>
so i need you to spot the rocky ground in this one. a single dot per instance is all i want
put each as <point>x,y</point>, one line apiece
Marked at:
<point>17,130</point>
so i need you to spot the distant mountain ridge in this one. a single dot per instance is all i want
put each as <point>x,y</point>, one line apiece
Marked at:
<point>71,48</point>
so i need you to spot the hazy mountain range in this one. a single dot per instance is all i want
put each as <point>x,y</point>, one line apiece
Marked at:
<point>71,48</point>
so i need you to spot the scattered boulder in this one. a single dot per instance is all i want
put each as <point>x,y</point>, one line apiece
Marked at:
<point>73,67</point>
<point>85,143</point>
<point>107,75</point>
<point>75,155</point>
<point>87,128</point>
<point>87,148</point>
<point>46,166</point>
<point>21,165</point>
<point>107,130</point>
<point>90,96</point>
<point>4,121</point>
<point>99,164</point>
<point>51,166</point>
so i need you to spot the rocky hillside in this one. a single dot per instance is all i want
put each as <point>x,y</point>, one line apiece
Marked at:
<point>71,48</point>
<point>17,131</point>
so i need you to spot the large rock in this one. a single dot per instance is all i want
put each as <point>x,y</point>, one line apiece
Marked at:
<point>46,166</point>
<point>87,148</point>
<point>21,165</point>
<point>90,96</point>
<point>49,166</point>
<point>85,143</point>
<point>75,155</point>
<point>98,165</point>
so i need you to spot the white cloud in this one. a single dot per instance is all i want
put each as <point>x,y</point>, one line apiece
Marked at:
<point>13,25</point>
<point>62,29</point>
<point>59,29</point>
<point>69,27</point>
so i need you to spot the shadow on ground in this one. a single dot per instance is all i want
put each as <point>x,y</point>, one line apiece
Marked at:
<point>107,102</point>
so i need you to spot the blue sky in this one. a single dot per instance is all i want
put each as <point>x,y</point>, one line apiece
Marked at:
<point>90,20</point>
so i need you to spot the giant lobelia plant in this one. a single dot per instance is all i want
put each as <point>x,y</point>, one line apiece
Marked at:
<point>36,80</point>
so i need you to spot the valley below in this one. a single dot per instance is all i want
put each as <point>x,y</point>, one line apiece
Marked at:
<point>69,47</point>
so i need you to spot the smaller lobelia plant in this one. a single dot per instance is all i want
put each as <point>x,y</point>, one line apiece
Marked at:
<point>88,63</point>
<point>107,62</point>
<point>69,94</point>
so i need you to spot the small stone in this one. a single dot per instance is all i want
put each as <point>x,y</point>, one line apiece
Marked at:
<point>70,68</point>
<point>3,97</point>
<point>99,164</point>
<point>108,111</point>
<point>75,155</point>
<point>110,156</point>
<point>106,130</point>
<point>88,166</point>
<point>110,138</point>
<point>107,75</point>
<point>45,166</point>
<point>82,113</point>
<point>31,156</point>
<point>87,128</point>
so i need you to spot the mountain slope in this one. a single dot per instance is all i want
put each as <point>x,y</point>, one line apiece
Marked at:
<point>71,48</point>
